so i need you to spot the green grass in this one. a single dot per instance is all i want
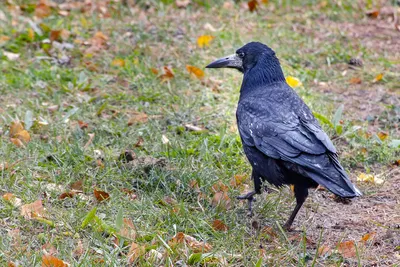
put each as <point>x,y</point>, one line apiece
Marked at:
<point>106,97</point>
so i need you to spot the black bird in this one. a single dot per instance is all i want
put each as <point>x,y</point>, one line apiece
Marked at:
<point>282,139</point>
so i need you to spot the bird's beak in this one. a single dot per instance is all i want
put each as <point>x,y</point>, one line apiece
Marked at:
<point>232,61</point>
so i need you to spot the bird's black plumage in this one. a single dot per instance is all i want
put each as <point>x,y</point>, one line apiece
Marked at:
<point>281,138</point>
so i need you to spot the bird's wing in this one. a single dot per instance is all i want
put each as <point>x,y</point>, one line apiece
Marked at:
<point>294,136</point>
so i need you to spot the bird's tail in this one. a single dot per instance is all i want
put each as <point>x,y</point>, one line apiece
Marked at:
<point>335,179</point>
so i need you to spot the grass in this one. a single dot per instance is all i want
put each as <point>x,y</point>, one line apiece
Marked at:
<point>90,89</point>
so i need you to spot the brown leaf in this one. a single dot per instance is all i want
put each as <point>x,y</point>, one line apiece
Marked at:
<point>18,135</point>
<point>347,249</point>
<point>220,187</point>
<point>42,10</point>
<point>355,80</point>
<point>219,225</point>
<point>182,3</point>
<point>89,142</point>
<point>82,124</point>
<point>67,194</point>
<point>191,242</point>
<point>79,250</point>
<point>32,210</point>
<point>51,261</point>
<point>221,199</point>
<point>322,250</point>
<point>367,237</point>
<point>11,264</point>
<point>137,117</point>
<point>168,74</point>
<point>195,71</point>
<point>383,135</point>
<point>128,229</point>
<point>238,180</point>
<point>135,251</point>
<point>101,195</point>
<point>17,142</point>
<point>269,231</point>
<point>373,14</point>
<point>139,142</point>
<point>252,4</point>
<point>12,199</point>
<point>77,186</point>
<point>15,128</point>
<point>154,71</point>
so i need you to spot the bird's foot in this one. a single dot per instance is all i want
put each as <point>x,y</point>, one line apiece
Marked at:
<point>287,227</point>
<point>250,198</point>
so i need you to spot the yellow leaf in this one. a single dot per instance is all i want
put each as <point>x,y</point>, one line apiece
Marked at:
<point>204,40</point>
<point>355,80</point>
<point>347,249</point>
<point>367,237</point>
<point>293,81</point>
<point>196,71</point>
<point>369,178</point>
<point>15,128</point>
<point>118,62</point>
<point>51,261</point>
<point>383,135</point>
<point>24,136</point>
<point>378,77</point>
<point>31,34</point>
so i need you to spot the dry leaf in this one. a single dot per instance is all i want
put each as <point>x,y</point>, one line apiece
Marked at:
<point>238,180</point>
<point>17,142</point>
<point>118,62</point>
<point>154,71</point>
<point>11,56</point>
<point>18,135</point>
<point>293,81</point>
<point>322,250</point>
<point>195,71</point>
<point>130,193</point>
<point>204,40</point>
<point>11,198</point>
<point>168,74</point>
<point>219,225</point>
<point>137,117</point>
<point>347,249</point>
<point>128,229</point>
<point>51,261</point>
<point>42,10</point>
<point>182,3</point>
<point>191,242</point>
<point>378,78</point>
<point>33,210</point>
<point>252,4</point>
<point>355,80</point>
<point>165,140</point>
<point>219,187</point>
<point>269,231</point>
<point>194,128</point>
<point>79,250</point>
<point>101,195</point>
<point>373,14</point>
<point>383,135</point>
<point>135,251</point>
<point>82,124</point>
<point>221,199</point>
<point>369,178</point>
<point>89,142</point>
<point>77,186</point>
<point>367,237</point>
<point>67,195</point>
<point>139,142</point>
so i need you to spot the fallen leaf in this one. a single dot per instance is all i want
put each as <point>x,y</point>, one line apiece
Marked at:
<point>204,40</point>
<point>194,128</point>
<point>77,186</point>
<point>378,78</point>
<point>367,237</point>
<point>195,71</point>
<point>323,249</point>
<point>219,225</point>
<point>182,3</point>
<point>135,251</point>
<point>130,193</point>
<point>51,261</point>
<point>355,80</point>
<point>12,199</point>
<point>154,71</point>
<point>42,10</point>
<point>369,178</point>
<point>32,210</point>
<point>165,140</point>
<point>168,74</point>
<point>373,14</point>
<point>89,142</point>
<point>128,229</point>
<point>238,180</point>
<point>118,62</point>
<point>139,142</point>
<point>383,135</point>
<point>11,56</point>
<point>79,250</point>
<point>101,195</point>
<point>221,199</point>
<point>269,231</point>
<point>190,241</point>
<point>67,195</point>
<point>83,125</point>
<point>252,4</point>
<point>293,81</point>
<point>137,117</point>
<point>347,249</point>
<point>18,135</point>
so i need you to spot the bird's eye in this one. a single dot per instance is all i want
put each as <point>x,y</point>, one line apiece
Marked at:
<point>240,54</point>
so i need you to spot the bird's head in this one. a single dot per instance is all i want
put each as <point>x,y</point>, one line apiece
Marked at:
<point>245,57</point>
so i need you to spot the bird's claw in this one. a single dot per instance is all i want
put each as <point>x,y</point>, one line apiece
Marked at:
<point>250,198</point>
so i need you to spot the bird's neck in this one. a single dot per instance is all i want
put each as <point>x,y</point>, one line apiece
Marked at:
<point>266,71</point>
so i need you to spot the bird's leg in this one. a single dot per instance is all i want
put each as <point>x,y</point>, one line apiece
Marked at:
<point>257,190</point>
<point>301,194</point>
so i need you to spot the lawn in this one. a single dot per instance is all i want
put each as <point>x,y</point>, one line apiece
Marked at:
<point>118,148</point>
